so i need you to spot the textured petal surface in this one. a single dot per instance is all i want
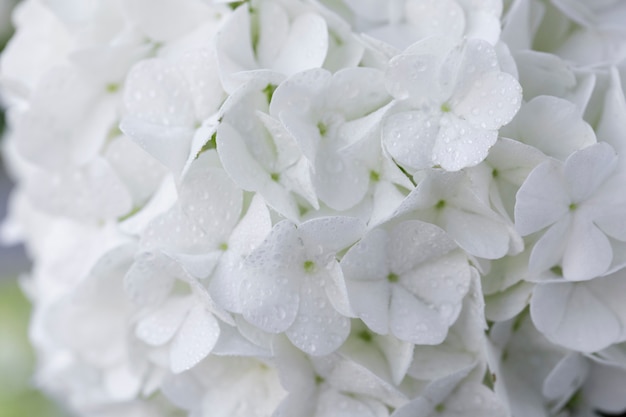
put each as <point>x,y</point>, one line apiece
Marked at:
<point>542,199</point>
<point>580,316</point>
<point>195,339</point>
<point>492,102</point>
<point>318,328</point>
<point>413,321</point>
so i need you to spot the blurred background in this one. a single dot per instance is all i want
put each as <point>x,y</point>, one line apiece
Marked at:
<point>18,395</point>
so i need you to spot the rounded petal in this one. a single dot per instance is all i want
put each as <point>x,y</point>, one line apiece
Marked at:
<point>356,92</point>
<point>195,339</point>
<point>552,125</point>
<point>587,169</point>
<point>160,327</point>
<point>305,47</point>
<point>413,321</point>
<point>576,315</point>
<point>318,328</point>
<point>339,180</point>
<point>460,144</point>
<point>492,101</point>
<point>269,292</point>
<point>542,199</point>
<point>409,137</point>
<point>548,250</point>
<point>414,77</point>
<point>588,252</point>
<point>367,260</point>
<point>370,302</point>
<point>479,235</point>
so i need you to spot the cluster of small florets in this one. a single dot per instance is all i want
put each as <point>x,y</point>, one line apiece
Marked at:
<point>322,208</point>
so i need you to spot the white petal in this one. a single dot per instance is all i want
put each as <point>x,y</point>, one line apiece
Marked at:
<point>91,192</point>
<point>473,399</point>
<point>157,93</point>
<point>413,321</point>
<point>553,125</point>
<point>318,328</point>
<point>211,199</point>
<point>588,252</point>
<point>413,242</point>
<point>273,29</point>
<point>565,378</point>
<point>340,180</point>
<point>305,47</point>
<point>335,404</point>
<point>370,302</point>
<point>541,200</point>
<point>460,144</point>
<point>441,282</point>
<point>414,76</point>
<point>548,250</point>
<point>247,172</point>
<point>505,305</point>
<point>154,18</point>
<point>269,292</point>
<point>575,315</point>
<point>399,356</point>
<point>159,327</point>
<point>330,234</point>
<point>587,169</point>
<point>252,229</point>
<point>140,172</point>
<point>604,388</point>
<point>199,68</point>
<point>479,235</point>
<point>169,145</point>
<point>148,281</point>
<point>543,73</point>
<point>357,92</point>
<point>367,260</point>
<point>491,102</point>
<point>195,339</point>
<point>426,18</point>
<point>613,117</point>
<point>409,137</point>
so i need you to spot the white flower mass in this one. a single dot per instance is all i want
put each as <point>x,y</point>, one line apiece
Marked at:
<point>322,208</point>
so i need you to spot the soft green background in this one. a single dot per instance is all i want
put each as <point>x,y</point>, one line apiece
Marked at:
<point>18,397</point>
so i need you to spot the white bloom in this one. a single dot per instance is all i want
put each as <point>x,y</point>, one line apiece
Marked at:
<point>258,154</point>
<point>290,279</point>
<point>282,42</point>
<point>576,201</point>
<point>552,125</point>
<point>409,281</point>
<point>168,105</point>
<point>584,316</point>
<point>457,99</point>
<point>453,202</point>
<point>326,116</point>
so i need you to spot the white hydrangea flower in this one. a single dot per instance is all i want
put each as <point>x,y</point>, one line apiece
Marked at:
<point>168,106</point>
<point>576,202</point>
<point>293,283</point>
<point>455,97</point>
<point>326,116</point>
<point>584,316</point>
<point>409,281</point>
<point>307,208</point>
<point>285,39</point>
<point>258,154</point>
<point>460,207</point>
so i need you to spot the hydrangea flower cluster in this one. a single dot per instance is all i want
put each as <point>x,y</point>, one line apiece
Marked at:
<point>322,208</point>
